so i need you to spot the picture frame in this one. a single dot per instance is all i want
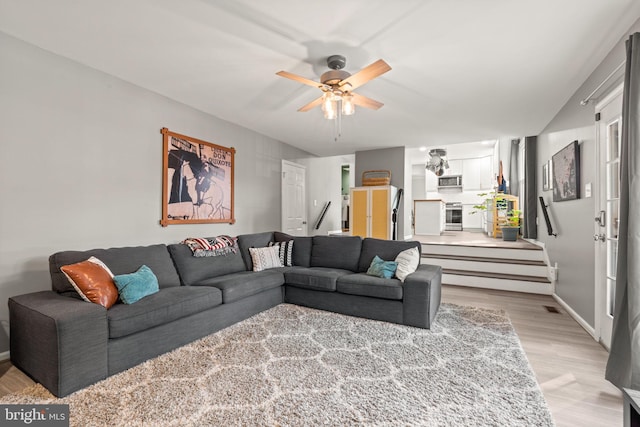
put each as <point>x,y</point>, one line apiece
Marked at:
<point>197,181</point>
<point>566,173</point>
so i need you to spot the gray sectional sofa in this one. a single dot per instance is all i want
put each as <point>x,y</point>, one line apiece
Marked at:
<point>66,344</point>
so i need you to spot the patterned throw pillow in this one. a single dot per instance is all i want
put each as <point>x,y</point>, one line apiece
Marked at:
<point>133,287</point>
<point>286,252</point>
<point>408,261</point>
<point>93,280</point>
<point>381,268</point>
<point>265,258</point>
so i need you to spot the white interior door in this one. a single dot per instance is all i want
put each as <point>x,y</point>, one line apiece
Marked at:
<point>294,208</point>
<point>609,129</point>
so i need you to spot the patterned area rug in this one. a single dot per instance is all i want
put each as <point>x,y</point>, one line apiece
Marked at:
<point>295,366</point>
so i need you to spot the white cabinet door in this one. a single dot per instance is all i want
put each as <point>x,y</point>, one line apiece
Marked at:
<point>471,221</point>
<point>455,168</point>
<point>477,173</point>
<point>471,174</point>
<point>487,179</point>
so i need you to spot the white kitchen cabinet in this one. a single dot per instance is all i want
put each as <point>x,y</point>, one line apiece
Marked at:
<point>471,221</point>
<point>429,217</point>
<point>455,168</point>
<point>477,173</point>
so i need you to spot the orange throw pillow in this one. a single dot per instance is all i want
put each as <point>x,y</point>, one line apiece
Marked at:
<point>93,280</point>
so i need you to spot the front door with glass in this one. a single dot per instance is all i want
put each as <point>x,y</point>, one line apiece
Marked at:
<point>609,128</point>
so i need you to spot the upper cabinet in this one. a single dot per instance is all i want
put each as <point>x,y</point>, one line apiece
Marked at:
<point>477,173</point>
<point>455,167</point>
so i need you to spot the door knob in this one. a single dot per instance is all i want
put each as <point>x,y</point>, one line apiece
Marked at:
<point>600,237</point>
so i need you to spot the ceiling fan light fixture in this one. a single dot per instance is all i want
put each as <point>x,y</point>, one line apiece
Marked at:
<point>437,162</point>
<point>329,105</point>
<point>348,107</point>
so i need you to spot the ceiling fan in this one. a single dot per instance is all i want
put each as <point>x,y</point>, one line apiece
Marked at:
<point>337,86</point>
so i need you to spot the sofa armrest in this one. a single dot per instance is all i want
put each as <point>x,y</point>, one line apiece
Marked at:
<point>60,342</point>
<point>421,296</point>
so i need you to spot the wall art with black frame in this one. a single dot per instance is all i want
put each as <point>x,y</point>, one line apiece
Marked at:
<point>566,173</point>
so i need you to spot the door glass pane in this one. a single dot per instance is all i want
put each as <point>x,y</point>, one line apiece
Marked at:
<point>612,254</point>
<point>613,218</point>
<point>613,139</point>
<point>613,172</point>
<point>611,296</point>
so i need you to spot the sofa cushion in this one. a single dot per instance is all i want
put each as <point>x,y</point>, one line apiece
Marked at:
<point>385,249</point>
<point>162,307</point>
<point>408,262</point>
<point>254,240</point>
<point>265,258</point>
<point>316,278</point>
<point>301,247</point>
<point>341,252</point>
<point>285,251</point>
<point>243,284</point>
<point>120,261</point>
<point>196,269</point>
<point>370,286</point>
<point>93,281</point>
<point>382,268</point>
<point>134,286</point>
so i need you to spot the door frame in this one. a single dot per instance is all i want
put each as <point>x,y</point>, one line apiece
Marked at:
<point>600,192</point>
<point>305,227</point>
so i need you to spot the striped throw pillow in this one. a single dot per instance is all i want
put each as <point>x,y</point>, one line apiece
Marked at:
<point>286,252</point>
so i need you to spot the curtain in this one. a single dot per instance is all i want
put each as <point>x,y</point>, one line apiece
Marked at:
<point>623,366</point>
<point>529,199</point>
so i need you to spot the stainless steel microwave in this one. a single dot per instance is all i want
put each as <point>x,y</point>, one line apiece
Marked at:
<point>451,181</point>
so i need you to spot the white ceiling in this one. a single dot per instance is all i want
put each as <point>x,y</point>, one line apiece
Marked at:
<point>464,70</point>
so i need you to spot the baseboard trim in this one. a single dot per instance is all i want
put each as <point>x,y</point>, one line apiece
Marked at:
<point>5,355</point>
<point>590,330</point>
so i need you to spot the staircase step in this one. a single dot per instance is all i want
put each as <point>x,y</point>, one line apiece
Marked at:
<point>483,252</point>
<point>486,259</point>
<point>504,282</point>
<point>491,275</point>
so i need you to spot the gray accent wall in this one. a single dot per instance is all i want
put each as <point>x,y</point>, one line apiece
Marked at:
<point>392,159</point>
<point>573,250</point>
<point>82,166</point>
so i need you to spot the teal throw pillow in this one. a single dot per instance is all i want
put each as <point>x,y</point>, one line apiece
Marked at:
<point>380,268</point>
<point>133,287</point>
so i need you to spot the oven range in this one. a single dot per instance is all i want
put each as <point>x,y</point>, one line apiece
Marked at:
<point>453,221</point>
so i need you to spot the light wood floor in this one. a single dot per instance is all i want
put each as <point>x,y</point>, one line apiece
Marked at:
<point>568,363</point>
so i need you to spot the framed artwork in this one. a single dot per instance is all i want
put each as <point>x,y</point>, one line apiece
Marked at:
<point>566,173</point>
<point>197,181</point>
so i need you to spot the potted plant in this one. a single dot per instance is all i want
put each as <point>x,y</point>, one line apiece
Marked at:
<point>511,227</point>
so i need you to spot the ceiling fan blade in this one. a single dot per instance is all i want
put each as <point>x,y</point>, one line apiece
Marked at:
<point>299,79</point>
<point>365,102</point>
<point>311,105</point>
<point>367,73</point>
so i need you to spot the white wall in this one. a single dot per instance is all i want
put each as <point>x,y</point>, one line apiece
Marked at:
<point>82,166</point>
<point>324,183</point>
